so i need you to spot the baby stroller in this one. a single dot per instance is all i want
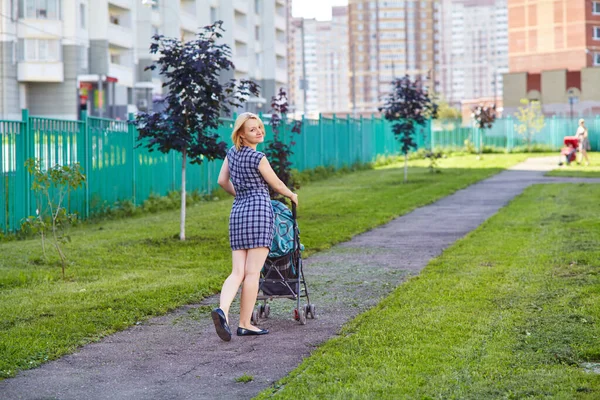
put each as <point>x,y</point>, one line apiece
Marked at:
<point>282,275</point>
<point>569,152</point>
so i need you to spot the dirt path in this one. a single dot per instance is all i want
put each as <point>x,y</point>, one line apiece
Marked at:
<point>178,356</point>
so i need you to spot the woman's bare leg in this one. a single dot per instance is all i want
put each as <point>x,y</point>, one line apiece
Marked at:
<point>233,281</point>
<point>255,260</point>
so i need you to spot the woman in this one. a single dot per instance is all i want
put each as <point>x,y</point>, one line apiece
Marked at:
<point>584,141</point>
<point>245,175</point>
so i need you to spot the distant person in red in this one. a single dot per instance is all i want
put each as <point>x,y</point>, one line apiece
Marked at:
<point>584,142</point>
<point>569,152</point>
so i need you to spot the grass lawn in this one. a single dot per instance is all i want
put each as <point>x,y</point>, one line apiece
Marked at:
<point>512,311</point>
<point>123,271</point>
<point>580,171</point>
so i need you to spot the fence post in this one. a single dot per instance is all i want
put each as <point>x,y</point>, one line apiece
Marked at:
<point>431,134</point>
<point>131,131</point>
<point>334,141</point>
<point>320,139</point>
<point>87,157</point>
<point>26,146</point>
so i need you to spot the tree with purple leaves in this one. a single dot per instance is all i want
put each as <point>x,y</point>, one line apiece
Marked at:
<point>277,151</point>
<point>197,97</point>
<point>484,118</point>
<point>407,106</point>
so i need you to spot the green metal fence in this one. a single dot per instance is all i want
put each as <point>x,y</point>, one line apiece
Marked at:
<point>450,133</point>
<point>117,168</point>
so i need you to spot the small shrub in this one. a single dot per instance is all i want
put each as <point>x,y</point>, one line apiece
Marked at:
<point>52,219</point>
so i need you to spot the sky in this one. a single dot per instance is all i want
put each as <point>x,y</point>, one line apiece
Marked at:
<point>319,9</point>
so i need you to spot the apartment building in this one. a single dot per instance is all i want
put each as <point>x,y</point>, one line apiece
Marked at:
<point>61,56</point>
<point>389,39</point>
<point>319,55</point>
<point>473,50</point>
<point>554,56</point>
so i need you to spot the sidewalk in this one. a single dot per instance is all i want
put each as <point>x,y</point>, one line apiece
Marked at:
<point>178,356</point>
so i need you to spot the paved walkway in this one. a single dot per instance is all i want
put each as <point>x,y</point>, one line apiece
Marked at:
<point>178,356</point>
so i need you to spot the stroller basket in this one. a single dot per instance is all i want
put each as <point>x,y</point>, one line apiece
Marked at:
<point>280,269</point>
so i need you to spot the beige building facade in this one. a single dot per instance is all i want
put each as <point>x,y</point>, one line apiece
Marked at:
<point>390,39</point>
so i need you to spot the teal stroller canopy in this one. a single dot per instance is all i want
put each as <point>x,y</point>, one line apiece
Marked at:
<point>283,239</point>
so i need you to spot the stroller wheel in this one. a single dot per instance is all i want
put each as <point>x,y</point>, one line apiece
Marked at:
<point>312,312</point>
<point>302,316</point>
<point>266,311</point>
<point>254,318</point>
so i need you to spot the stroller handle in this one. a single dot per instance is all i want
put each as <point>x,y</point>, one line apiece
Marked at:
<point>294,210</point>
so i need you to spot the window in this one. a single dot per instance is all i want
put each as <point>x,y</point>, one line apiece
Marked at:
<point>39,9</point>
<point>257,32</point>
<point>596,34</point>
<point>82,15</point>
<point>155,5</point>
<point>596,8</point>
<point>596,58</point>
<point>39,50</point>
<point>115,58</point>
<point>213,14</point>
<point>257,6</point>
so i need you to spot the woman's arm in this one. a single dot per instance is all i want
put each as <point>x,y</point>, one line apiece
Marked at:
<point>273,180</point>
<point>224,181</point>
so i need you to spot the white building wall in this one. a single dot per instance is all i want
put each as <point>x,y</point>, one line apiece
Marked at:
<point>96,39</point>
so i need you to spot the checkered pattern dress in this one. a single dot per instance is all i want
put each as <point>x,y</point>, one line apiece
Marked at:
<point>251,223</point>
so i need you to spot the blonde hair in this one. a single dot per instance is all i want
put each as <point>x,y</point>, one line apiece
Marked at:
<point>236,135</point>
<point>581,121</point>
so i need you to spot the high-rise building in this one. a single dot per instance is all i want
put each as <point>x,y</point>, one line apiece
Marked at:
<point>320,57</point>
<point>61,56</point>
<point>554,55</point>
<point>473,49</point>
<point>390,39</point>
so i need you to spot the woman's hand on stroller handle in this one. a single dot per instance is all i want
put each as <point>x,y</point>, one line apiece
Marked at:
<point>294,199</point>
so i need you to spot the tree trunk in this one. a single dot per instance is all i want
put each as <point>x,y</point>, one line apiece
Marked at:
<point>405,167</point>
<point>183,195</point>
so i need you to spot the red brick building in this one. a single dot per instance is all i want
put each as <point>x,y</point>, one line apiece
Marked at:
<point>554,55</point>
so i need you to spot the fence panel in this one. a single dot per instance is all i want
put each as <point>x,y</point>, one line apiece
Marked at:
<point>56,142</point>
<point>13,180</point>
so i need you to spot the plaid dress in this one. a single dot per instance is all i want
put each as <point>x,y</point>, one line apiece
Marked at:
<point>251,223</point>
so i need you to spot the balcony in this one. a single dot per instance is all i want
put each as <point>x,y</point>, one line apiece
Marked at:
<point>241,64</point>
<point>279,22</point>
<point>121,36</point>
<point>40,28</point>
<point>40,71</point>
<point>123,74</point>
<point>280,49</point>
<point>240,34</point>
<point>125,4</point>
<point>281,75</point>
<point>189,22</point>
<point>241,6</point>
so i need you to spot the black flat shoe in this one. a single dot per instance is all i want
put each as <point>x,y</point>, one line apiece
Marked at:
<point>221,325</point>
<point>248,332</point>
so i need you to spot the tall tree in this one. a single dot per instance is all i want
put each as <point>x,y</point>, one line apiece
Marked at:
<point>531,120</point>
<point>277,151</point>
<point>197,97</point>
<point>484,117</point>
<point>407,106</point>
